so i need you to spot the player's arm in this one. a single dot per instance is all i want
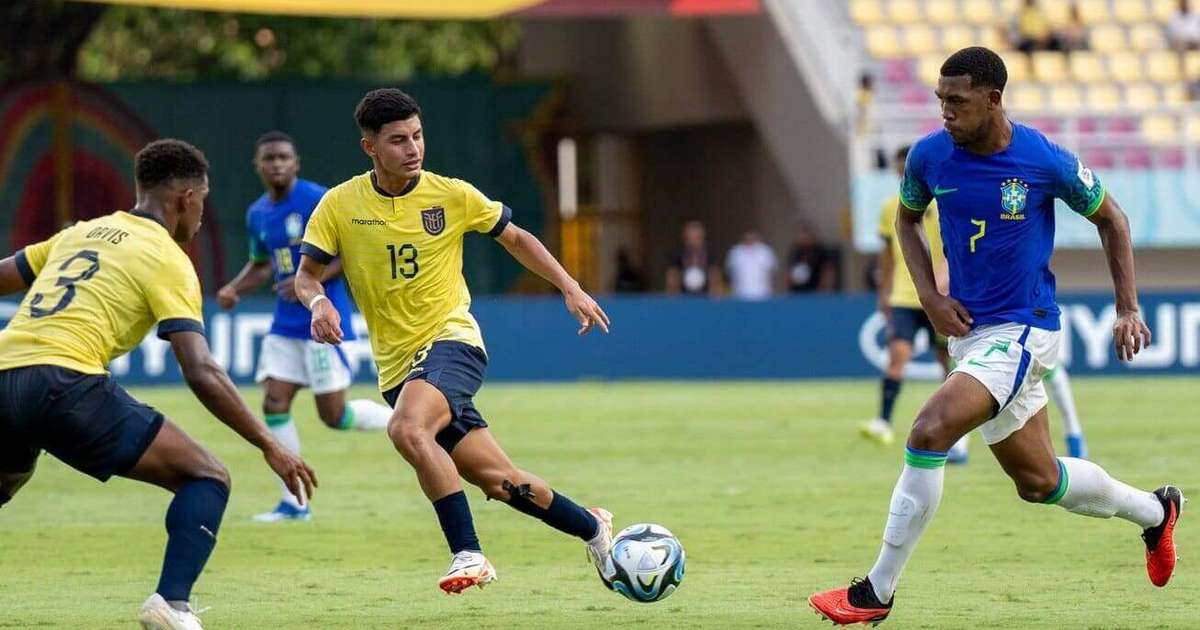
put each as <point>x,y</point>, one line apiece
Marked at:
<point>534,256</point>
<point>12,279</point>
<point>326,321</point>
<point>212,386</point>
<point>254,274</point>
<point>17,272</point>
<point>948,316</point>
<point>1113,226</point>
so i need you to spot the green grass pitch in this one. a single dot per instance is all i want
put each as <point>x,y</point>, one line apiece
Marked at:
<point>768,485</point>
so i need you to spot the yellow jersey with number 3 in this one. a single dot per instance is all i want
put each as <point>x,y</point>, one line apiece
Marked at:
<point>96,289</point>
<point>904,292</point>
<point>402,256</point>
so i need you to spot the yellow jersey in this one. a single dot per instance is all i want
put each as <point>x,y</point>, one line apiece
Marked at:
<point>904,292</point>
<point>402,257</point>
<point>96,289</point>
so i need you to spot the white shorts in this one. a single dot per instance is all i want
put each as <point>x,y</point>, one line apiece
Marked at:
<point>303,362</point>
<point>1010,360</point>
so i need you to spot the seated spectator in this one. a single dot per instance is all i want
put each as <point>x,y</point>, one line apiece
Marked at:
<point>1032,29</point>
<point>751,267</point>
<point>1073,36</point>
<point>692,271</point>
<point>810,264</point>
<point>1183,29</point>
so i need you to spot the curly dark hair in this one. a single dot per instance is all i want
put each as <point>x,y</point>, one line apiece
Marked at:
<point>382,106</point>
<point>167,159</point>
<point>985,67</point>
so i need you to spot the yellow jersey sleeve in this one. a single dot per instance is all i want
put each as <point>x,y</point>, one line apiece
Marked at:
<point>321,236</point>
<point>887,218</point>
<point>174,297</point>
<point>483,214</point>
<point>31,259</point>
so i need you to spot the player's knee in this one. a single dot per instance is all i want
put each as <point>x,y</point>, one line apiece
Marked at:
<point>275,404</point>
<point>407,435</point>
<point>211,468</point>
<point>929,433</point>
<point>1035,487</point>
<point>332,417</point>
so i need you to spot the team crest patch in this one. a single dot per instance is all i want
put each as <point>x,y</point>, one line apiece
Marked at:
<point>434,220</point>
<point>294,226</point>
<point>1013,193</point>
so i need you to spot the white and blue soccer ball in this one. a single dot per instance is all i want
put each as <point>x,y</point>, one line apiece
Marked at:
<point>648,561</point>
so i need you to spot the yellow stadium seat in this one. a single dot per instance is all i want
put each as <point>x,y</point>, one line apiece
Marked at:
<point>1163,67</point>
<point>1141,96</point>
<point>1191,65</point>
<point>994,37</point>
<point>1028,98</point>
<point>979,12</point>
<point>1174,94</point>
<point>883,42</point>
<point>1125,66</point>
<point>920,39</point>
<point>1103,97</point>
<point>867,11</point>
<point>1065,97</point>
<point>942,12</point>
<point>1087,67</point>
<point>929,68</point>
<point>1008,8</point>
<point>1160,129</point>
<point>903,11</point>
<point>1017,64</point>
<point>1108,38</point>
<point>1130,11</point>
<point>1162,10</point>
<point>1191,128</point>
<point>957,37</point>
<point>1057,11</point>
<point>1093,11</point>
<point>1049,67</point>
<point>1147,36</point>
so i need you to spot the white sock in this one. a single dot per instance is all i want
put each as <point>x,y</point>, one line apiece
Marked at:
<point>284,430</point>
<point>367,415</point>
<point>1060,388</point>
<point>914,501</point>
<point>1084,488</point>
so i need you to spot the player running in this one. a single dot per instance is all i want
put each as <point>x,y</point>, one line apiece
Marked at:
<point>399,232</point>
<point>95,290</point>
<point>995,182</point>
<point>289,359</point>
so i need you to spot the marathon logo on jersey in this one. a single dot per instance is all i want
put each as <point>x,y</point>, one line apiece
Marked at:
<point>434,220</point>
<point>358,221</point>
<point>294,226</point>
<point>1013,193</point>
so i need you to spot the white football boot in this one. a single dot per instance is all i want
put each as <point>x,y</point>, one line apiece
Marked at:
<point>467,569</point>
<point>157,614</point>
<point>599,546</point>
<point>879,430</point>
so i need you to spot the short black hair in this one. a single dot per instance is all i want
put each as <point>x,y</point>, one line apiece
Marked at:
<point>985,67</point>
<point>167,159</point>
<point>273,136</point>
<point>382,106</point>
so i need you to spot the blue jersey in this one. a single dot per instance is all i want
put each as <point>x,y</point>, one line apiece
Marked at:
<point>275,230</point>
<point>997,219</point>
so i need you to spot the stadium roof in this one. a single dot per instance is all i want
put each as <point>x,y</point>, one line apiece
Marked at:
<point>461,9</point>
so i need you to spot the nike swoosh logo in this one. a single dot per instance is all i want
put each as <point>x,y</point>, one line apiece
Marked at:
<point>938,190</point>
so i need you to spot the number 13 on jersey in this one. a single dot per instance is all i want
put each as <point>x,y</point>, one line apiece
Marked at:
<point>404,261</point>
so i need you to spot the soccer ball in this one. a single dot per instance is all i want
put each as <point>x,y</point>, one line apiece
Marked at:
<point>649,563</point>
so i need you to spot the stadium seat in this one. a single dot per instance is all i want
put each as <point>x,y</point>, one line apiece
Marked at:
<point>920,39</point>
<point>1049,67</point>
<point>1163,66</point>
<point>1141,96</point>
<point>898,71</point>
<point>1191,65</point>
<point>1086,67</point>
<point>1065,97</point>
<point>1125,66</point>
<point>929,68</point>
<point>942,12</point>
<point>1138,158</point>
<point>903,11</point>
<point>1028,98</point>
<point>1162,10</point>
<point>1018,66</point>
<point>1130,11</point>
<point>1103,97</point>
<point>883,42</point>
<point>1058,12</point>
<point>979,12</point>
<point>993,37</point>
<point>1171,157</point>
<point>1191,129</point>
<point>1147,36</point>
<point>867,12</point>
<point>1091,12</point>
<point>1174,94</point>
<point>1160,129</point>
<point>1108,38</point>
<point>957,37</point>
<point>1008,8</point>
<point>1100,159</point>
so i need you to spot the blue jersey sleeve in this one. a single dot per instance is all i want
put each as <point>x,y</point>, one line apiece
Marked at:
<point>258,250</point>
<point>914,193</point>
<point>1075,183</point>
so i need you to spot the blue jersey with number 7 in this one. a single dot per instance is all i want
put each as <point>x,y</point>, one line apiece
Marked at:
<point>997,219</point>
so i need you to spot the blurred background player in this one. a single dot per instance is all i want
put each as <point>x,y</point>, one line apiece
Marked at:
<point>289,358</point>
<point>95,290</point>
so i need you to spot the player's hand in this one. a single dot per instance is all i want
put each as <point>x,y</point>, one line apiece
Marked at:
<point>1130,334</point>
<point>227,297</point>
<point>948,315</point>
<point>585,310</point>
<point>286,289</point>
<point>296,475</point>
<point>326,323</point>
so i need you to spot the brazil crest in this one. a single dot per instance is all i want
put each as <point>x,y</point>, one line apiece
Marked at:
<point>1013,193</point>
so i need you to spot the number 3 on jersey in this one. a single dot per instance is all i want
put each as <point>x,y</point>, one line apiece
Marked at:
<point>68,282</point>
<point>404,261</point>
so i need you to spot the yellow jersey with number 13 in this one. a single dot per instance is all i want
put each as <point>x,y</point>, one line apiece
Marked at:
<point>402,256</point>
<point>96,289</point>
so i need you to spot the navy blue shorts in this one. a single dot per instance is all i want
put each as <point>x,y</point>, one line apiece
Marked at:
<point>85,420</point>
<point>905,322</point>
<point>456,369</point>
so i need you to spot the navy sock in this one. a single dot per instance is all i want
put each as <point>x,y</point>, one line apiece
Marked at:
<point>192,523</point>
<point>454,514</point>
<point>891,389</point>
<point>563,514</point>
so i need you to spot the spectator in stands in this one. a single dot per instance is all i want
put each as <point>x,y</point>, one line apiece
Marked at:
<point>1032,31</point>
<point>1183,29</point>
<point>810,263</point>
<point>751,266</point>
<point>629,277</point>
<point>692,271</point>
<point>1074,35</point>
